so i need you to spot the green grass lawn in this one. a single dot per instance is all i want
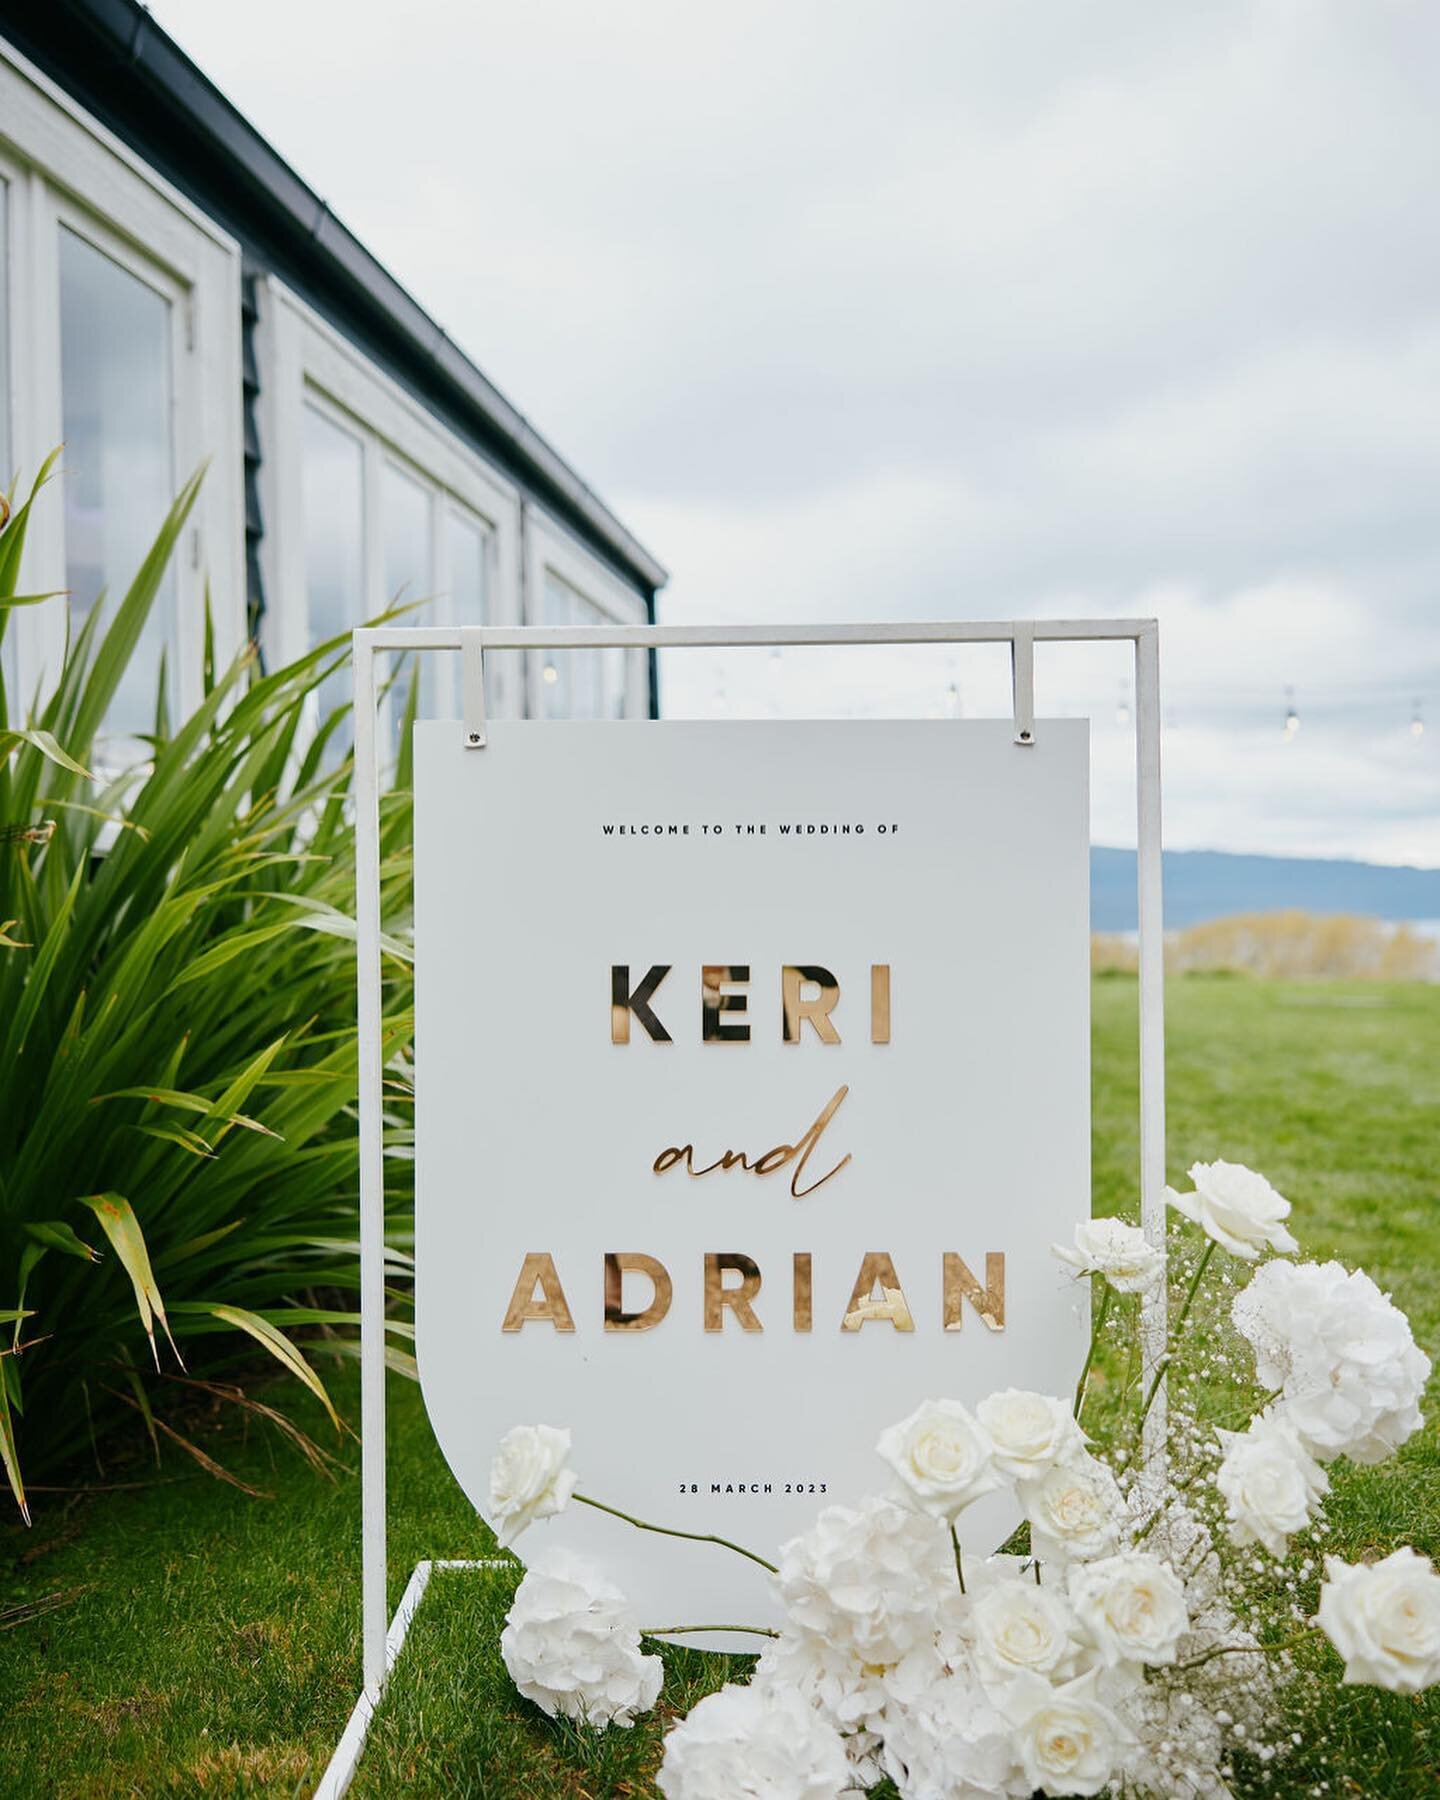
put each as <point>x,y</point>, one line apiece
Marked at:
<point>173,1635</point>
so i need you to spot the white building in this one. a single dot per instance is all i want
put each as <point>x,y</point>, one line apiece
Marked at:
<point>170,290</point>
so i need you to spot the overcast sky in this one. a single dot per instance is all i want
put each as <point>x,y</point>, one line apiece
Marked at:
<point>973,308</point>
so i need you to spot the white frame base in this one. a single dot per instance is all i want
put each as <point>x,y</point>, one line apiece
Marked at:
<point>381,1643</point>
<point>340,1770</point>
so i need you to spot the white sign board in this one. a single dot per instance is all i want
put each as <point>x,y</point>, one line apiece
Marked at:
<point>752,1089</point>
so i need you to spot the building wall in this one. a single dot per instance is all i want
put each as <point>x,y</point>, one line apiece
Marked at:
<point>121,311</point>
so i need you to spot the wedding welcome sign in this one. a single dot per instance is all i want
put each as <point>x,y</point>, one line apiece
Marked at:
<point>752,1089</point>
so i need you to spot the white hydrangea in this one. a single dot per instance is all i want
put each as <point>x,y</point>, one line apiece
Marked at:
<point>1269,1481</point>
<point>1119,1252</point>
<point>530,1478</point>
<point>868,1578</point>
<point>1016,1625</point>
<point>1067,1741</point>
<point>1132,1606</point>
<point>1029,1433</point>
<point>1341,1353</point>
<point>1074,1511</point>
<point>753,1743</point>
<point>1236,1207</point>
<point>950,1742</point>
<point>1384,1619</point>
<point>572,1646</point>
<point>942,1456</point>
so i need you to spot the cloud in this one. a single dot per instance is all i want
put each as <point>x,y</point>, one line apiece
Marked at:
<point>957,310</point>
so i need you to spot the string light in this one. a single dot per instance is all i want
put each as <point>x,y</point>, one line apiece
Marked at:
<point>552,674</point>
<point>1417,719</point>
<point>1292,718</point>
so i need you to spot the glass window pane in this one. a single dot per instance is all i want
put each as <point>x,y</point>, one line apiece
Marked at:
<point>333,495</point>
<point>405,525</point>
<point>469,569</point>
<point>8,671</point>
<point>467,552</point>
<point>119,477</point>
<point>573,680</point>
<point>7,474</point>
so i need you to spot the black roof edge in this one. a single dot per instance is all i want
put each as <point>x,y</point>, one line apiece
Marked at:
<point>113,58</point>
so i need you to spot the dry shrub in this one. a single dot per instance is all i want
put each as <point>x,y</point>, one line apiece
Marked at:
<point>1285,946</point>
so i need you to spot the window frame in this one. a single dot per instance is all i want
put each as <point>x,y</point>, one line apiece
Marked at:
<point>65,169</point>
<point>306,362</point>
<point>550,549</point>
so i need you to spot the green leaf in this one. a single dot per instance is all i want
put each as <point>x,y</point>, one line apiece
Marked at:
<point>30,599</point>
<point>118,1222</point>
<point>55,1234</point>
<point>9,1454</point>
<point>178,1134</point>
<point>274,1340</point>
<point>44,742</point>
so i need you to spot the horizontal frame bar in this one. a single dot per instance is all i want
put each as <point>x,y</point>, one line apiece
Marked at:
<point>739,637</point>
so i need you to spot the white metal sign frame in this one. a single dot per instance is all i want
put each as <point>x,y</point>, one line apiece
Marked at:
<point>473,642</point>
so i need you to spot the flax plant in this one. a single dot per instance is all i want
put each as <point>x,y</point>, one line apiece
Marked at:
<point>177,1046</point>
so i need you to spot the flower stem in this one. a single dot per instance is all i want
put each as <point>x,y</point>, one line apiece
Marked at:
<point>959,1559</point>
<point>1243,1650</point>
<point>695,1537</point>
<point>1095,1330</point>
<point>1174,1333</point>
<point>676,1630</point>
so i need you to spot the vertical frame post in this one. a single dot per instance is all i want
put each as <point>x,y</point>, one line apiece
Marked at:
<point>1154,1305</point>
<point>372,1171</point>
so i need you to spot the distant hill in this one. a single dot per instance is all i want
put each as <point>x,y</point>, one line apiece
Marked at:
<point>1209,884</point>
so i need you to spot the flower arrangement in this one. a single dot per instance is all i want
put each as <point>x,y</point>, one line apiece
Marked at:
<point>1137,1633</point>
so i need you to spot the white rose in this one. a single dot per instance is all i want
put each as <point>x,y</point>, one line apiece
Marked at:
<point>1068,1743</point>
<point>1384,1619</point>
<point>941,1455</point>
<point>1074,1511</point>
<point>869,1579</point>
<point>1340,1353</point>
<point>949,1742</point>
<point>1269,1481</point>
<point>1119,1252</point>
<point>571,1645</point>
<point>529,1479</point>
<point>1016,1625</point>
<point>1132,1606</point>
<point>1236,1207</point>
<point>1028,1433</point>
<point>753,1743</point>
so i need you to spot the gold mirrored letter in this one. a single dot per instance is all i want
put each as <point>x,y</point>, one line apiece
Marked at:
<point>803,1304</point>
<point>718,1296</point>
<point>796,1007</point>
<point>960,1284</point>
<point>877,1270</point>
<point>879,1003</point>
<point>623,1003</point>
<point>538,1269</point>
<point>617,1264</point>
<point>714,979</point>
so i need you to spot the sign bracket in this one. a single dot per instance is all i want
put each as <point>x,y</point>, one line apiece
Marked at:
<point>472,685</point>
<point>472,642</point>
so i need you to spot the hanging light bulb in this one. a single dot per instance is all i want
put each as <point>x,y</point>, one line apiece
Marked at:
<point>1417,719</point>
<point>1292,718</point>
<point>1122,709</point>
<point>552,674</point>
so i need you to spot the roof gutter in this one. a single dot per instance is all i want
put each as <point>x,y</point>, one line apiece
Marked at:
<point>137,76</point>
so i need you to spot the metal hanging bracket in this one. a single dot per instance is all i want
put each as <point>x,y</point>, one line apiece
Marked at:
<point>1022,678</point>
<point>472,685</point>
